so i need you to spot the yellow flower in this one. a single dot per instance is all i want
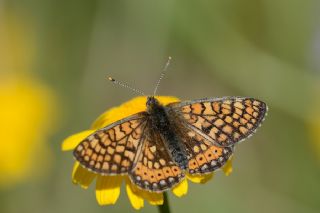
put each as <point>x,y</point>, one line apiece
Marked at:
<point>26,113</point>
<point>108,187</point>
<point>27,106</point>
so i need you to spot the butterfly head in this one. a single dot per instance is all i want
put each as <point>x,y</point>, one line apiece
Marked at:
<point>152,103</point>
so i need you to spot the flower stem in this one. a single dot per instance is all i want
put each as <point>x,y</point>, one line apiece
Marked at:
<point>165,207</point>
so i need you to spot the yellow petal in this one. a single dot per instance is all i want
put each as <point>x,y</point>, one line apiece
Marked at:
<point>105,118</point>
<point>200,178</point>
<point>167,99</point>
<point>136,200</point>
<point>227,169</point>
<point>153,198</point>
<point>82,176</point>
<point>181,189</point>
<point>108,189</point>
<point>72,141</point>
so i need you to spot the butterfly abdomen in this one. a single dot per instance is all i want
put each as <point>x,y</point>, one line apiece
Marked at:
<point>160,123</point>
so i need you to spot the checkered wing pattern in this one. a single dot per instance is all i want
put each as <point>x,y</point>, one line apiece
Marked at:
<point>155,170</point>
<point>223,121</point>
<point>113,149</point>
<point>203,156</point>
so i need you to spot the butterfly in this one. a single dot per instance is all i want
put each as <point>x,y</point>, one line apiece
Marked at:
<point>156,147</point>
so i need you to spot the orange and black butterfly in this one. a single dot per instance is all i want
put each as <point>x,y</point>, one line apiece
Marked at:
<point>156,147</point>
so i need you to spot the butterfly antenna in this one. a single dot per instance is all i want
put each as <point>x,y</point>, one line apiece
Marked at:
<point>125,86</point>
<point>162,75</point>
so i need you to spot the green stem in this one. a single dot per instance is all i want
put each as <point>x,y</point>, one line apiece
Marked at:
<point>165,207</point>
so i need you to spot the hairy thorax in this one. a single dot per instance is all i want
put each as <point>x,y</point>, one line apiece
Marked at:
<point>161,123</point>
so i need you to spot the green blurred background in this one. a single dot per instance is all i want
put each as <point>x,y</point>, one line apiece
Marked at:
<point>55,55</point>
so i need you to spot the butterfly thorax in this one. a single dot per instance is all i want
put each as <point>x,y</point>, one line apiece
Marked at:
<point>160,123</point>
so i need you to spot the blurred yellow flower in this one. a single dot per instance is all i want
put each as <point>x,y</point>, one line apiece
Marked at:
<point>108,187</point>
<point>26,108</point>
<point>26,113</point>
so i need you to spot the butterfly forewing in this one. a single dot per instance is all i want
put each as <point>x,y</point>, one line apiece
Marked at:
<point>224,121</point>
<point>155,170</point>
<point>112,149</point>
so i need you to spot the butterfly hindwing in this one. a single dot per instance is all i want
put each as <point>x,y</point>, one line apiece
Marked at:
<point>112,149</point>
<point>224,121</point>
<point>203,156</point>
<point>155,170</point>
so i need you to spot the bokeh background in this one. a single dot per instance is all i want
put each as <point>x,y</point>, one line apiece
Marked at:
<point>55,55</point>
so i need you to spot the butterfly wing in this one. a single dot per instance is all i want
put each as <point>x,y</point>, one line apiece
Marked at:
<point>223,121</point>
<point>155,171</point>
<point>113,149</point>
<point>203,156</point>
